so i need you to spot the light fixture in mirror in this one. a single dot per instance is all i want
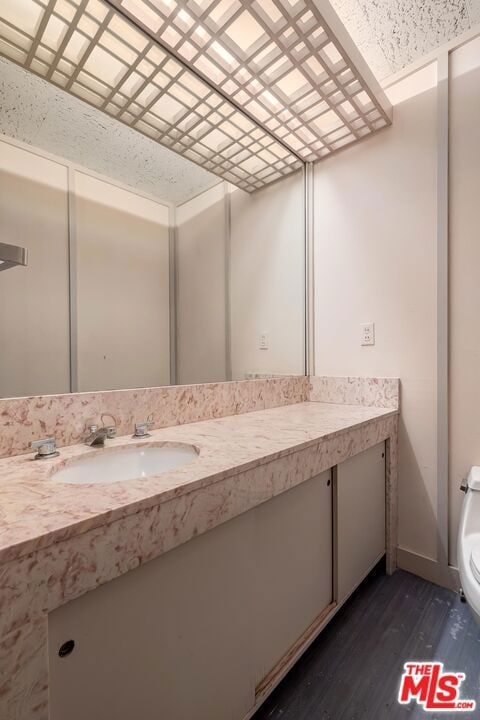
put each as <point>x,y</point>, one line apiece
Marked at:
<point>88,49</point>
<point>12,255</point>
<point>279,60</point>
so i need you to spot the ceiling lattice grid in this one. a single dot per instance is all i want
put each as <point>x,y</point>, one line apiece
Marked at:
<point>277,59</point>
<point>91,51</point>
<point>248,89</point>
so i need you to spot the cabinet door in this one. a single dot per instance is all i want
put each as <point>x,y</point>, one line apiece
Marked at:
<point>292,568</point>
<point>360,512</point>
<point>168,641</point>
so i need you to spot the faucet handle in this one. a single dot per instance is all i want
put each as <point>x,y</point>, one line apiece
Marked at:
<point>142,428</point>
<point>112,428</point>
<point>47,448</point>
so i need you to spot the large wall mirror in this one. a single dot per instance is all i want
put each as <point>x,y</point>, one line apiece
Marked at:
<point>143,269</point>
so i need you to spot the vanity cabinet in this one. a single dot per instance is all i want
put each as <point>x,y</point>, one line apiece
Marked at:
<point>170,640</point>
<point>204,630</point>
<point>359,501</point>
<point>192,633</point>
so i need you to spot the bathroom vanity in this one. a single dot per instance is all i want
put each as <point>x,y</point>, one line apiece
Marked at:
<point>191,593</point>
<point>224,613</point>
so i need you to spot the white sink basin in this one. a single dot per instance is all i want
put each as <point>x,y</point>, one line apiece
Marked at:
<point>131,463</point>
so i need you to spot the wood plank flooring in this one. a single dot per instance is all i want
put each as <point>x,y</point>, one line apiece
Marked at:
<point>352,671</point>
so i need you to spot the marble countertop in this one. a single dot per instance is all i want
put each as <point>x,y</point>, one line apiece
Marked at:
<point>36,512</point>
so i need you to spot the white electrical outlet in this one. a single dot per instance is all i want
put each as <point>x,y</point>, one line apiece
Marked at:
<point>264,341</point>
<point>368,333</point>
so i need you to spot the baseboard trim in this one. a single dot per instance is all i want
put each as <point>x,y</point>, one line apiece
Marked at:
<point>444,575</point>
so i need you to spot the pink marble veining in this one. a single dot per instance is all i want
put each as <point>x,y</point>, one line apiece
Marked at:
<point>35,511</point>
<point>60,541</point>
<point>369,392</point>
<point>24,672</point>
<point>38,582</point>
<point>66,417</point>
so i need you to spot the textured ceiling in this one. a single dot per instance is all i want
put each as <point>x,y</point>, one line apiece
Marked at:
<point>391,34</point>
<point>39,114</point>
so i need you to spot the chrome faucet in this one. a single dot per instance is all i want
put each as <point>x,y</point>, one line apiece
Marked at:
<point>98,435</point>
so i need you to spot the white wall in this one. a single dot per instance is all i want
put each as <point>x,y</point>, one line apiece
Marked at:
<point>375,234</point>
<point>267,276</point>
<point>464,273</point>
<point>34,330</point>
<point>122,258</point>
<point>375,255</point>
<point>254,243</point>
<point>121,297</point>
<point>201,288</point>
<point>262,244</point>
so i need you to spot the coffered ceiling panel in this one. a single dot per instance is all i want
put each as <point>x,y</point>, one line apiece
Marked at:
<point>277,59</point>
<point>247,89</point>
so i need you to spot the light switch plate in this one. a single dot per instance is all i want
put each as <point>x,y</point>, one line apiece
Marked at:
<point>368,333</point>
<point>264,341</point>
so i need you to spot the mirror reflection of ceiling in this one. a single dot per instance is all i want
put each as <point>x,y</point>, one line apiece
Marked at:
<point>88,49</point>
<point>392,34</point>
<point>295,93</point>
<point>39,114</point>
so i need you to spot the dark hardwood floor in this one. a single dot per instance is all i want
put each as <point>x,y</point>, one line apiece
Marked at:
<point>352,671</point>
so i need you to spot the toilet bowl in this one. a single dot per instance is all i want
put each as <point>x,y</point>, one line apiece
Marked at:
<point>469,542</point>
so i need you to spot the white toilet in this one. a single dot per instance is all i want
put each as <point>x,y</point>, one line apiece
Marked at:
<point>469,542</point>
